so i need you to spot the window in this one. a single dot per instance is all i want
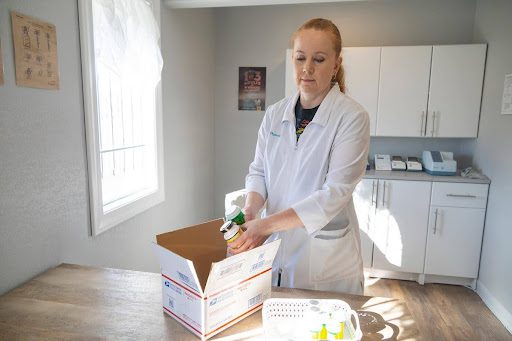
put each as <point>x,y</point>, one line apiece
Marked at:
<point>121,67</point>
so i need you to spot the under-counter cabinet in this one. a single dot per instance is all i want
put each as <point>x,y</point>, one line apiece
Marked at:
<point>456,224</point>
<point>421,230</point>
<point>363,196</point>
<point>393,217</point>
<point>400,225</point>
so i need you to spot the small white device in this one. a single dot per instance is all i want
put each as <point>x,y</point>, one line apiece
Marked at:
<point>382,162</point>
<point>439,163</point>
<point>397,163</point>
<point>413,164</point>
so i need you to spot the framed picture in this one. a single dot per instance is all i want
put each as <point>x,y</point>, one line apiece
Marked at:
<point>35,52</point>
<point>251,88</point>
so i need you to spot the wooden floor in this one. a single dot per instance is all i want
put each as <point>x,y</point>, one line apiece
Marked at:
<point>442,312</point>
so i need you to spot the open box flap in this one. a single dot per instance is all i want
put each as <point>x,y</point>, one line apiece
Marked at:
<point>178,268</point>
<point>237,268</point>
<point>201,245</point>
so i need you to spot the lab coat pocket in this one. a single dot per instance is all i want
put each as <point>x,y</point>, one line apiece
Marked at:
<point>333,255</point>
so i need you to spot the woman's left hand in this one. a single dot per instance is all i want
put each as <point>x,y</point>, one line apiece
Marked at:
<point>253,236</point>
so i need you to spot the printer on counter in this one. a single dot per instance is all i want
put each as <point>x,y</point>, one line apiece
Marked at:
<point>439,163</point>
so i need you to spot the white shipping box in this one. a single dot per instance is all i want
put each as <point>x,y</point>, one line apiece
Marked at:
<point>201,288</point>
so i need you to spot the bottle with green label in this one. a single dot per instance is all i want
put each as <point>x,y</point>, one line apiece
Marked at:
<point>235,214</point>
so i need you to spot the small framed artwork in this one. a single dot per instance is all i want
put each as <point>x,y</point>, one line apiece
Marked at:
<point>35,52</point>
<point>251,88</point>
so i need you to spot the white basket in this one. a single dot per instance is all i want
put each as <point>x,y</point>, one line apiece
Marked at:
<point>283,318</point>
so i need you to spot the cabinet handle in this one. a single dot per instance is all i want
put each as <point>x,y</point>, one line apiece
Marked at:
<point>374,199</point>
<point>433,123</point>
<point>435,222</point>
<point>422,126</point>
<point>461,196</point>
<point>384,194</point>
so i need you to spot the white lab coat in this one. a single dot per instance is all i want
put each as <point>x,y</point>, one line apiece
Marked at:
<point>316,177</point>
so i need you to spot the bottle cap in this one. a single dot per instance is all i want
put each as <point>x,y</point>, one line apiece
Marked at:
<point>226,226</point>
<point>231,231</point>
<point>232,212</point>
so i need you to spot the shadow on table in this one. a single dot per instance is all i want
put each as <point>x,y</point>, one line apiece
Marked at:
<point>385,319</point>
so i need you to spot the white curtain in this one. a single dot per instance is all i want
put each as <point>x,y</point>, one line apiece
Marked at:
<point>126,38</point>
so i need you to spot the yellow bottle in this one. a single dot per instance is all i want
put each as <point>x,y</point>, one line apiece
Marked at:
<point>231,231</point>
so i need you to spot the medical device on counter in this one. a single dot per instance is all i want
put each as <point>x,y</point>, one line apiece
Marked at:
<point>382,162</point>
<point>439,163</point>
<point>413,164</point>
<point>397,163</point>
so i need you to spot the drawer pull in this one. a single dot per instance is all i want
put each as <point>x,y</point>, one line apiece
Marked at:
<point>461,196</point>
<point>435,221</point>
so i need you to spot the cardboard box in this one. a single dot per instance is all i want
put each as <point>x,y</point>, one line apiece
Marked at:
<point>201,288</point>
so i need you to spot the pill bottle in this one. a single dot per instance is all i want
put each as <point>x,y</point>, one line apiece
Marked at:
<point>313,323</point>
<point>230,231</point>
<point>235,214</point>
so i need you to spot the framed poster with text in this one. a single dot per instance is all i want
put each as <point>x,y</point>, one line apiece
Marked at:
<point>35,52</point>
<point>251,88</point>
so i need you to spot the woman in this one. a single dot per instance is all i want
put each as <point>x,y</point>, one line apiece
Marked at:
<point>311,152</point>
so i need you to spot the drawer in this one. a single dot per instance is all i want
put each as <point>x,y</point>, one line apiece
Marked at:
<point>459,194</point>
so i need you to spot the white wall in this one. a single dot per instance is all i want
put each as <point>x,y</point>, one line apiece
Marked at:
<point>44,210</point>
<point>258,36</point>
<point>493,24</point>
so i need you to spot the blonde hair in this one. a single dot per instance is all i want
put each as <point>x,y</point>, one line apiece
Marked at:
<point>326,25</point>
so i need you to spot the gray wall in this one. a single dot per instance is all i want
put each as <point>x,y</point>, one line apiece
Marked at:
<point>492,153</point>
<point>258,36</point>
<point>44,211</point>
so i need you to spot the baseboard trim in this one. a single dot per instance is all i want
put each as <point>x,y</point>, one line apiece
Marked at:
<point>495,306</point>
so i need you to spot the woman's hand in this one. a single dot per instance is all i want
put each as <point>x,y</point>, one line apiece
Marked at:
<point>258,230</point>
<point>255,235</point>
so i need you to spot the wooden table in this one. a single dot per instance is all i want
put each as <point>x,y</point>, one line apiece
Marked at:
<point>79,302</point>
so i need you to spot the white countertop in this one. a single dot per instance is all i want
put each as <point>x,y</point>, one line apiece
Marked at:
<point>421,176</point>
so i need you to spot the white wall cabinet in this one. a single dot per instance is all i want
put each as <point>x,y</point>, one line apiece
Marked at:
<point>414,91</point>
<point>455,230</point>
<point>456,80</point>
<point>431,91</point>
<point>361,65</point>
<point>403,90</point>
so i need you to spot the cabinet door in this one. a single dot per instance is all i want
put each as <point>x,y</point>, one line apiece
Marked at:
<point>361,66</point>
<point>454,240</point>
<point>364,197</point>
<point>455,90</point>
<point>403,90</point>
<point>400,225</point>
<point>289,82</point>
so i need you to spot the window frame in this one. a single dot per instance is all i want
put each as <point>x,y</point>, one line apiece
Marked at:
<point>103,221</point>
